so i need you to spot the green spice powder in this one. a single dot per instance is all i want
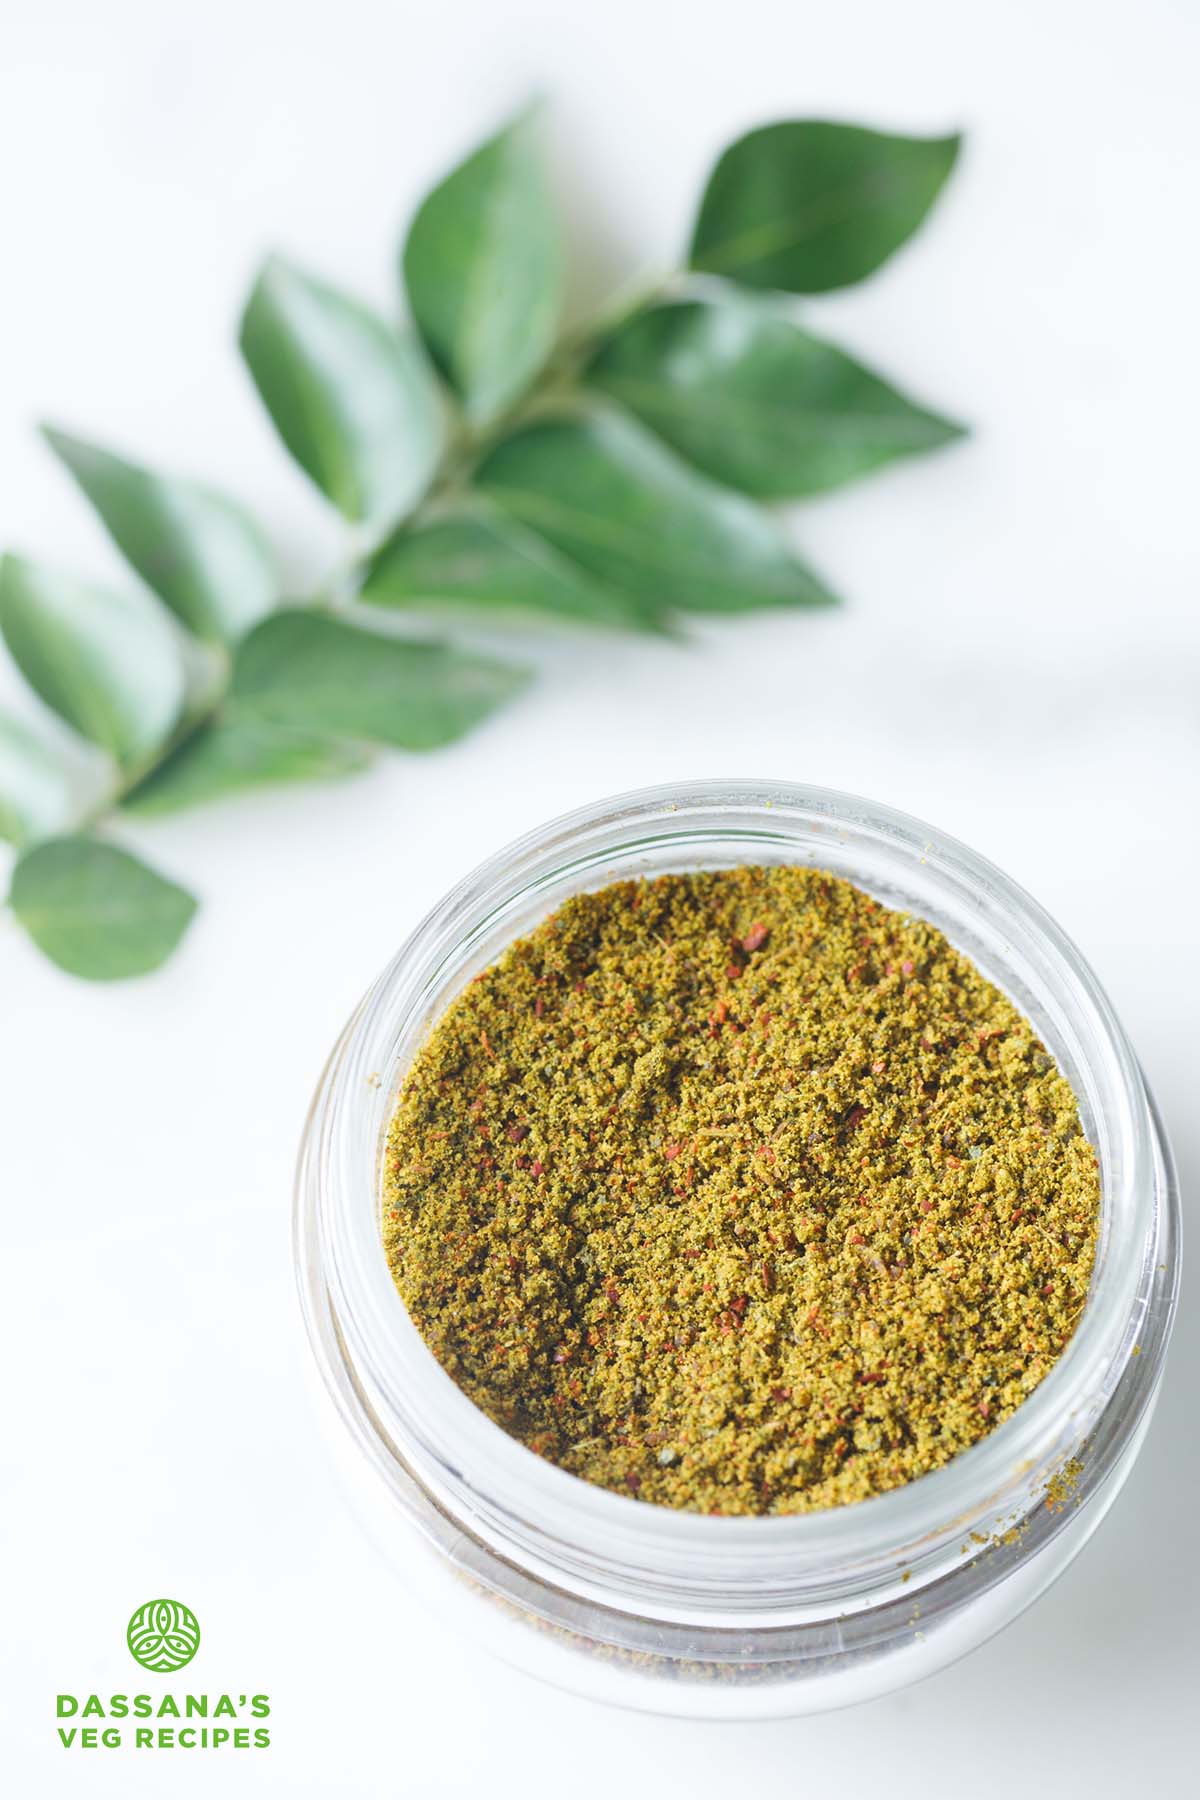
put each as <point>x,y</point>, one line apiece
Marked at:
<point>740,1192</point>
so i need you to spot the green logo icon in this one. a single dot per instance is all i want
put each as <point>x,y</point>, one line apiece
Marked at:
<point>163,1635</point>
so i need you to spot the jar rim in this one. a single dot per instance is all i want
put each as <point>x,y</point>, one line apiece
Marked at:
<point>553,1521</point>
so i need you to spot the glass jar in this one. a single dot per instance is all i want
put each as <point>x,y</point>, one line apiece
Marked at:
<point>677,1612</point>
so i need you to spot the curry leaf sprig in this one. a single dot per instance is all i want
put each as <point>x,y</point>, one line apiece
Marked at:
<point>489,465</point>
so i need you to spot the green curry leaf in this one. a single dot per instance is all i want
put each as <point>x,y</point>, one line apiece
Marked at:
<point>199,551</point>
<point>307,670</point>
<point>34,791</point>
<point>96,910</point>
<point>604,492</point>
<point>486,561</point>
<point>106,662</point>
<point>483,265</point>
<point>233,754</point>
<point>757,403</point>
<point>354,401</point>
<point>806,205</point>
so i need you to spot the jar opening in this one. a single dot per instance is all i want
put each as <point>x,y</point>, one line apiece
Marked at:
<point>603,1543</point>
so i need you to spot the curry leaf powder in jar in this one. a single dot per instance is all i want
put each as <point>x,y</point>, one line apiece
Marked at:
<point>739,1192</point>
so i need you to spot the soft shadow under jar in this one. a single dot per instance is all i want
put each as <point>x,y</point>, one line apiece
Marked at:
<point>672,1611</point>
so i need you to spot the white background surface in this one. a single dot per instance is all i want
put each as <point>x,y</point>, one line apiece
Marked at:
<point>1019,661</point>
